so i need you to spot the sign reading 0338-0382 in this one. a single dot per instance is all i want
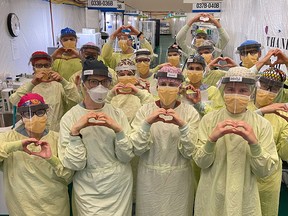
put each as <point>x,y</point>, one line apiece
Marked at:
<point>13,24</point>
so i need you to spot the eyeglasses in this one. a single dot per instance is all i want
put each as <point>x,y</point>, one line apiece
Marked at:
<point>142,60</point>
<point>94,82</point>
<point>246,52</point>
<point>42,65</point>
<point>30,114</point>
<point>126,73</point>
<point>270,88</point>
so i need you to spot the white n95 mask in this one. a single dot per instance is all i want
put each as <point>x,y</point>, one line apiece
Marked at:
<point>98,94</point>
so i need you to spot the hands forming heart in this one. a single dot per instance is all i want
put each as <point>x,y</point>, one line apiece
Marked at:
<point>30,147</point>
<point>166,116</point>
<point>240,128</point>
<point>95,119</point>
<point>222,62</point>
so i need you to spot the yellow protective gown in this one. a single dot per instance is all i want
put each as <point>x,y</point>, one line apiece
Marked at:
<point>213,76</point>
<point>112,58</point>
<point>282,96</point>
<point>66,68</point>
<point>164,183</point>
<point>130,103</point>
<point>211,99</point>
<point>56,94</point>
<point>102,184</point>
<point>188,50</point>
<point>228,185</point>
<point>33,186</point>
<point>79,73</point>
<point>153,84</point>
<point>269,187</point>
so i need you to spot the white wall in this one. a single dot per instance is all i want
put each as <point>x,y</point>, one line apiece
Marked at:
<point>35,27</point>
<point>248,19</point>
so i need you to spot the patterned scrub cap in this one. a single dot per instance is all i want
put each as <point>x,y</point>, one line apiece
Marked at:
<point>274,74</point>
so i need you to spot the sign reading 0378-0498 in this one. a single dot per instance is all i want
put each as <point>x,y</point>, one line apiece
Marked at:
<point>13,24</point>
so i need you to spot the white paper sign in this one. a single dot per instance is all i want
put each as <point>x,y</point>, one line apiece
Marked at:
<point>102,4</point>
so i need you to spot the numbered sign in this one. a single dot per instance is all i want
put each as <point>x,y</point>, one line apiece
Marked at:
<point>208,7</point>
<point>103,5</point>
<point>121,7</point>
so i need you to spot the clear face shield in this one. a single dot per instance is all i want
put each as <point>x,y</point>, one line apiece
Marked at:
<point>266,92</point>
<point>126,75</point>
<point>207,51</point>
<point>168,87</point>
<point>174,57</point>
<point>249,55</point>
<point>34,117</point>
<point>198,39</point>
<point>237,93</point>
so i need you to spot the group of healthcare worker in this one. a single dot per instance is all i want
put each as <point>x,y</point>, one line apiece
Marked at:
<point>203,138</point>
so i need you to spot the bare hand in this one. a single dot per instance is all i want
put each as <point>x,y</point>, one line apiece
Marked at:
<point>117,33</point>
<point>281,57</point>
<point>176,119</point>
<point>240,128</point>
<point>134,89</point>
<point>57,54</point>
<point>215,63</point>
<point>104,120</point>
<point>45,150</point>
<point>37,78</point>
<point>54,76</point>
<point>222,128</point>
<point>154,117</point>
<point>164,64</point>
<point>196,96</point>
<point>27,142</point>
<point>274,107</point>
<point>245,130</point>
<point>134,31</point>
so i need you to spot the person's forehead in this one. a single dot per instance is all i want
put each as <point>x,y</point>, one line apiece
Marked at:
<point>124,71</point>
<point>173,53</point>
<point>142,59</point>
<point>42,61</point>
<point>68,38</point>
<point>237,85</point>
<point>247,49</point>
<point>194,64</point>
<point>98,77</point>
<point>206,50</point>
<point>90,50</point>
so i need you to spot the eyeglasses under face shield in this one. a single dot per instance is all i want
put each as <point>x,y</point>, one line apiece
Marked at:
<point>30,111</point>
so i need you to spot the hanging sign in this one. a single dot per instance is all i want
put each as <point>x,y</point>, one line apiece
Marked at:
<point>206,7</point>
<point>120,7</point>
<point>103,5</point>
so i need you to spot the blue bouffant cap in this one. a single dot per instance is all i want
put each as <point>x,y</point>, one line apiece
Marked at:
<point>68,32</point>
<point>249,44</point>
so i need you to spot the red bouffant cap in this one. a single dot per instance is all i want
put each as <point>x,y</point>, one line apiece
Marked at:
<point>31,99</point>
<point>38,55</point>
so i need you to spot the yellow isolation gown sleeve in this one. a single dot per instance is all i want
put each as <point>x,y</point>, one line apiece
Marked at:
<point>112,58</point>
<point>181,41</point>
<point>33,185</point>
<point>213,76</point>
<point>214,102</point>
<point>102,184</point>
<point>230,166</point>
<point>130,103</point>
<point>66,68</point>
<point>269,187</point>
<point>165,152</point>
<point>57,95</point>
